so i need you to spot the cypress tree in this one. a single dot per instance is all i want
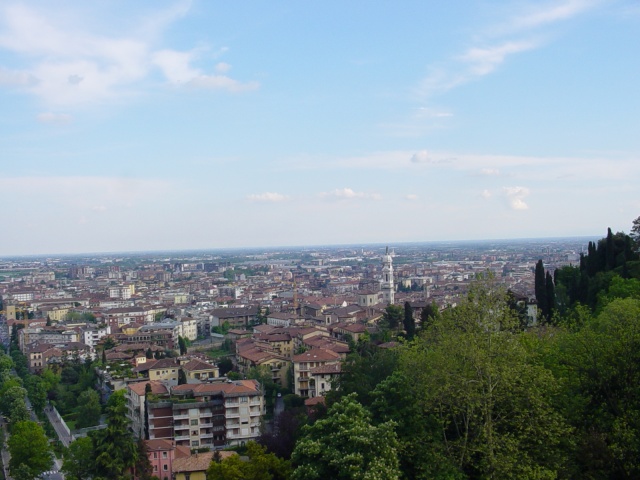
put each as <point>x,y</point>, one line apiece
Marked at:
<point>551,296</point>
<point>409,321</point>
<point>610,255</point>
<point>541,289</point>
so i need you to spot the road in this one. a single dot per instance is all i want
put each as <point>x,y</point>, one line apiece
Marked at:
<point>61,432</point>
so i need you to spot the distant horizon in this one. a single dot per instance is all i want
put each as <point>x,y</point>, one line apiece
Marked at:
<point>267,249</point>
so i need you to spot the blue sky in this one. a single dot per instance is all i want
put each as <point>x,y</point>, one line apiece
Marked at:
<point>181,125</point>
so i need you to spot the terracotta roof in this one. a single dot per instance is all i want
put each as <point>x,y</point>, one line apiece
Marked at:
<point>193,463</point>
<point>316,355</point>
<point>196,364</point>
<point>157,444</point>
<point>156,387</point>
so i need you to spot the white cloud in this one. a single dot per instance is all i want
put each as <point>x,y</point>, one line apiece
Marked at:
<point>267,197</point>
<point>222,82</point>
<point>411,196</point>
<point>550,13</point>
<point>54,118</point>
<point>175,65</point>
<point>349,194</point>
<point>67,64</point>
<point>14,78</point>
<point>515,196</point>
<point>490,172</point>
<point>481,61</point>
<point>222,67</point>
<point>420,157</point>
<point>85,192</point>
<point>519,34</point>
<point>486,194</point>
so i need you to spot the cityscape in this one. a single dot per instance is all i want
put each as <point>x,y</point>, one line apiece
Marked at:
<point>317,241</point>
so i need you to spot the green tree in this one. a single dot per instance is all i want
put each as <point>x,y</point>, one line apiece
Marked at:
<point>79,461</point>
<point>260,466</point>
<point>37,391</point>
<point>114,446</point>
<point>29,446</point>
<point>362,371</point>
<point>346,445</point>
<point>600,364</point>
<point>428,314</point>
<point>182,377</point>
<point>182,345</point>
<point>635,233</point>
<point>392,316</point>
<point>551,296</point>
<point>474,374</point>
<point>540,287</point>
<point>143,467</point>
<point>89,409</point>
<point>409,322</point>
<point>10,394</point>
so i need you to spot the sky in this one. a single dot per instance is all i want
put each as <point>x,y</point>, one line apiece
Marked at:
<point>168,125</point>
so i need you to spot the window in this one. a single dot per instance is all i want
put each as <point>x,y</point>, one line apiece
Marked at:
<point>155,468</point>
<point>164,454</point>
<point>244,399</point>
<point>194,421</point>
<point>155,455</point>
<point>165,467</point>
<point>195,443</point>
<point>187,476</point>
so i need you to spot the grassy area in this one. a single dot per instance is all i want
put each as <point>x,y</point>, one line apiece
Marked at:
<point>217,353</point>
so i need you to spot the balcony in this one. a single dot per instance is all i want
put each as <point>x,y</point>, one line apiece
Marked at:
<point>255,414</point>
<point>181,417</point>
<point>181,437</point>
<point>184,426</point>
<point>206,425</point>
<point>206,435</point>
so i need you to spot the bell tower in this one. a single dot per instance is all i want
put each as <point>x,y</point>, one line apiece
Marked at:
<point>388,289</point>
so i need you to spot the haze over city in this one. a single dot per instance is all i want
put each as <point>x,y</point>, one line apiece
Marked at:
<point>194,125</point>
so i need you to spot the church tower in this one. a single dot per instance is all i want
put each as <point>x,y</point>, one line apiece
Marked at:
<point>388,289</point>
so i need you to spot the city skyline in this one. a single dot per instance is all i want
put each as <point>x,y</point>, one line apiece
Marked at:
<point>199,125</point>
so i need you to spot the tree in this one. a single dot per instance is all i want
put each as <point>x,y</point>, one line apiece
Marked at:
<point>260,466</point>
<point>182,377</point>
<point>182,345</point>
<point>540,287</point>
<point>474,375</point>
<point>551,296</point>
<point>392,316</point>
<point>114,446</point>
<point>29,446</point>
<point>10,394</point>
<point>143,468</point>
<point>409,322</point>
<point>79,461</point>
<point>225,365</point>
<point>428,314</point>
<point>635,233</point>
<point>345,445</point>
<point>362,371</point>
<point>37,391</point>
<point>600,364</point>
<point>89,409</point>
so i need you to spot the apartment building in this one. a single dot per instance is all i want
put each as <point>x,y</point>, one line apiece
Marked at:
<point>210,415</point>
<point>307,365</point>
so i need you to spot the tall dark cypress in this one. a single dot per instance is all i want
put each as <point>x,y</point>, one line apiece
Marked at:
<point>551,296</point>
<point>610,252</point>
<point>541,289</point>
